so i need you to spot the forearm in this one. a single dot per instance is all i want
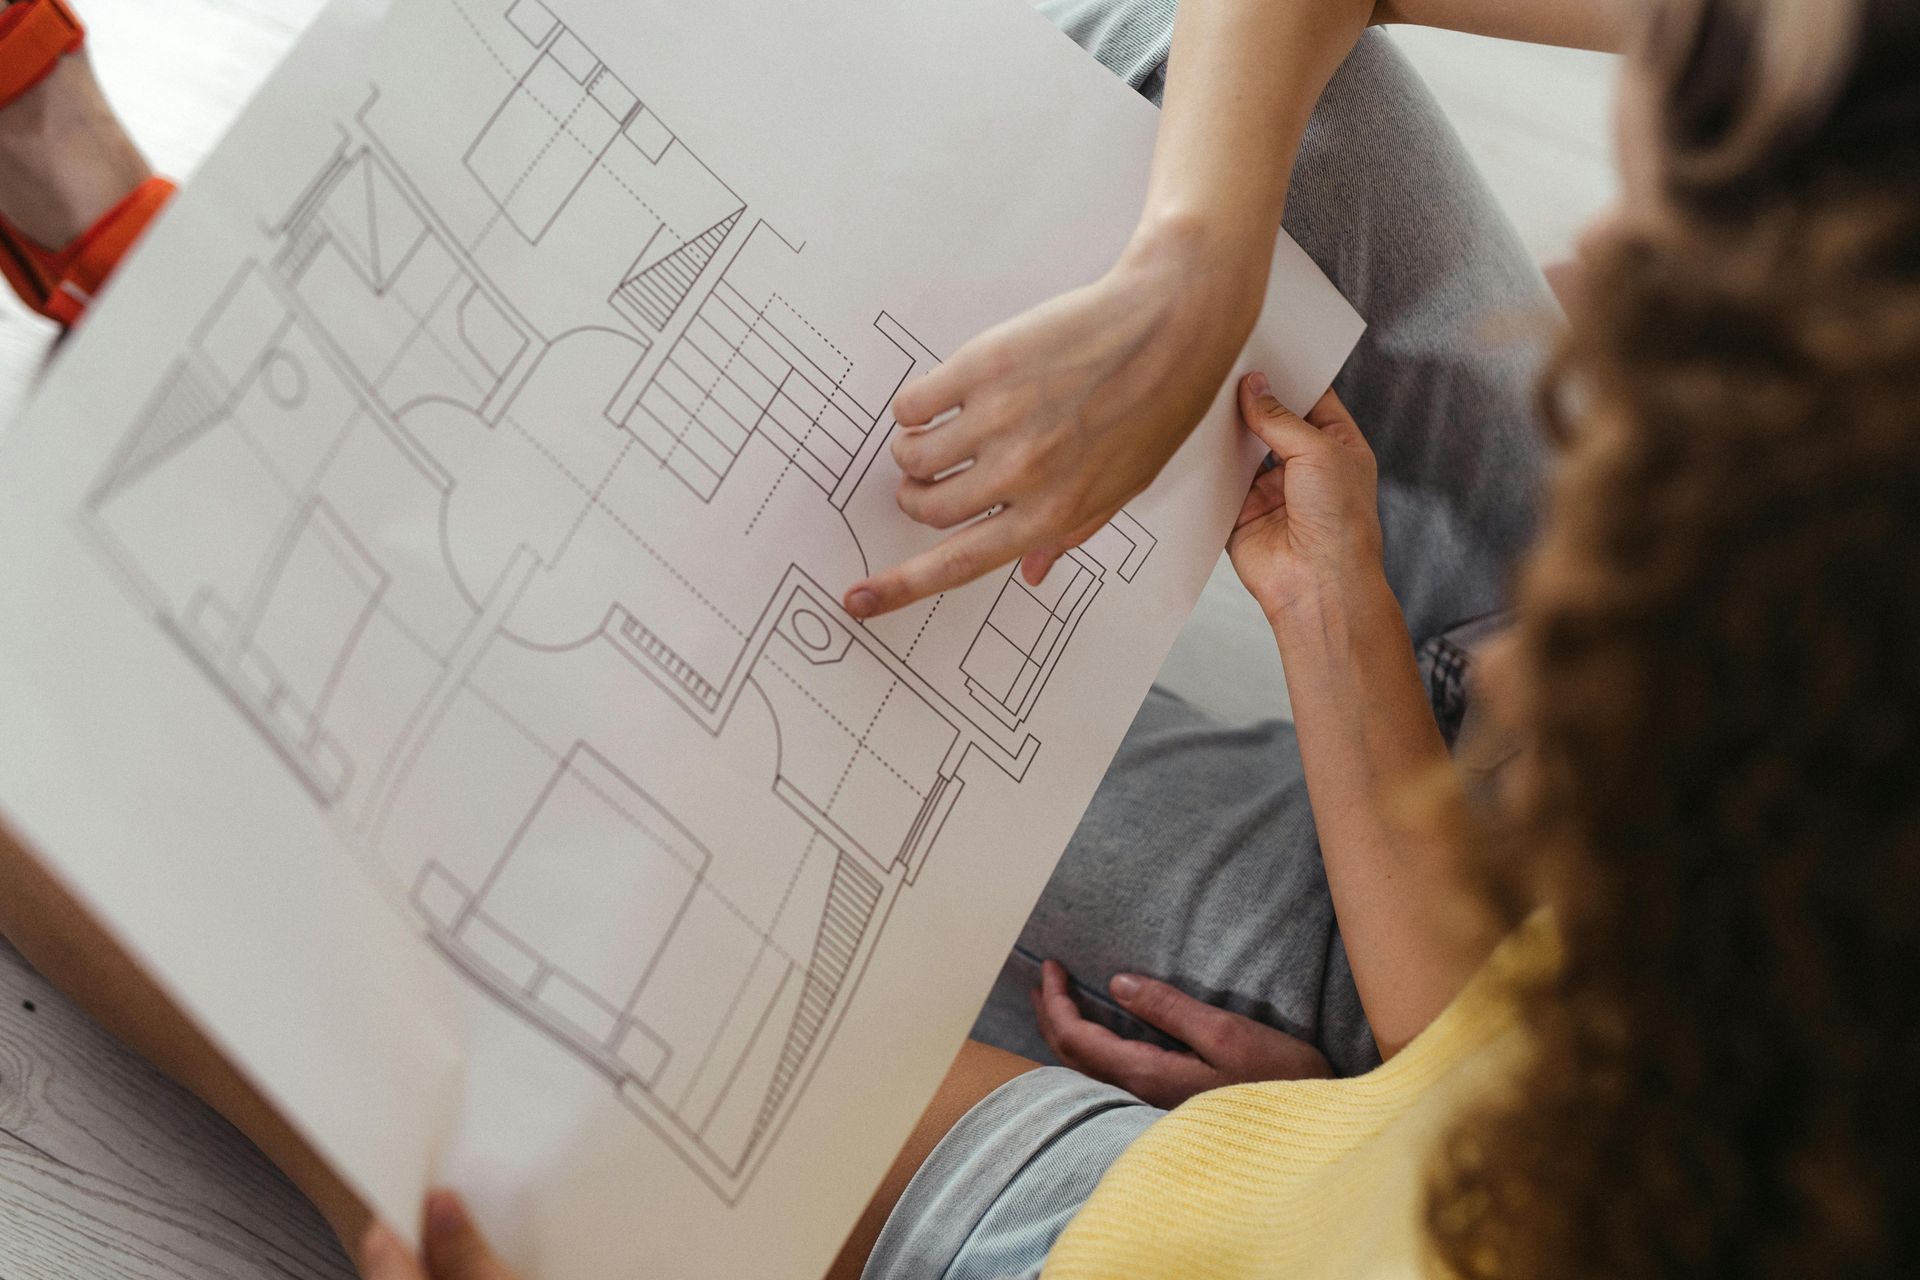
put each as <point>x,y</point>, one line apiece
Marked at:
<point>1241,85</point>
<point>1367,734</point>
<point>1577,24</point>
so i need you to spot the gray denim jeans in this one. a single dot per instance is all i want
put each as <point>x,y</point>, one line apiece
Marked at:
<point>1197,861</point>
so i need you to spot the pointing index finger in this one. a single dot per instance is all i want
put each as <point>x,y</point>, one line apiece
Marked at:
<point>956,560</point>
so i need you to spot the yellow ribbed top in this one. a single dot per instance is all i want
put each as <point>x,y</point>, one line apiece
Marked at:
<point>1300,1179</point>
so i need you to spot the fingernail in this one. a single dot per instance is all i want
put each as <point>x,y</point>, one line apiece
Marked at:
<point>862,603</point>
<point>379,1247</point>
<point>1259,385</point>
<point>446,1216</point>
<point>1124,987</point>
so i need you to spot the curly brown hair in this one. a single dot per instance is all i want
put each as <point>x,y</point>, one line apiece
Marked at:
<point>1718,671</point>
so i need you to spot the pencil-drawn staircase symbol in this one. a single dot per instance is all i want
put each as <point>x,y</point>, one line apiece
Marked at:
<point>657,292</point>
<point>304,244</point>
<point>850,905</point>
<point>637,635</point>
<point>184,409</point>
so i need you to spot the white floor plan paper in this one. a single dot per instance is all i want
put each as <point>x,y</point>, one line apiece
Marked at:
<point>421,634</point>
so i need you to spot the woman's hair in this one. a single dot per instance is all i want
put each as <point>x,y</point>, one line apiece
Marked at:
<point>1718,676</point>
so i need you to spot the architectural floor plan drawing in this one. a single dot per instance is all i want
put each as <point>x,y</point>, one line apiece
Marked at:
<point>573,556</point>
<point>423,649</point>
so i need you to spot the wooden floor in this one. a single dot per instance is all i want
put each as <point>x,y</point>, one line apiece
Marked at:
<point>106,1169</point>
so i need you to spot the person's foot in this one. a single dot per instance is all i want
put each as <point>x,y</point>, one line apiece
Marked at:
<point>65,160</point>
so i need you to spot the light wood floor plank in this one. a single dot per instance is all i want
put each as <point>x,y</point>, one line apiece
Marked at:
<point>109,1169</point>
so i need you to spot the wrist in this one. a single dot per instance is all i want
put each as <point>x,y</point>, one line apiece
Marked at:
<point>1218,268</point>
<point>1334,608</point>
<point>1223,247</point>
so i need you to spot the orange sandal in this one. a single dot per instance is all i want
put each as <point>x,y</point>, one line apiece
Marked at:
<point>59,284</point>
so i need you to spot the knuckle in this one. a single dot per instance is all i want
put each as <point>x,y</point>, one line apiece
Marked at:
<point>907,451</point>
<point>1073,504</point>
<point>1025,401</point>
<point>943,566</point>
<point>912,404</point>
<point>953,564</point>
<point>993,411</point>
<point>1052,515</point>
<point>1232,1038</point>
<point>1027,459</point>
<point>994,360</point>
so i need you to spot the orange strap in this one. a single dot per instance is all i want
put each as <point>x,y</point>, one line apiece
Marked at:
<point>34,36</point>
<point>88,261</point>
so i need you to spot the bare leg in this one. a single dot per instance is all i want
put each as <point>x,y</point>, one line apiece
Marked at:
<point>64,158</point>
<point>977,1072</point>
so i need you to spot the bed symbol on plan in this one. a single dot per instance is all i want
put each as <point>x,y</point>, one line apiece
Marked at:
<point>588,927</point>
<point>600,855</point>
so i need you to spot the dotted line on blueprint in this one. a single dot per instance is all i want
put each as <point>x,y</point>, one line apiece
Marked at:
<point>631,532</point>
<point>793,881</point>
<point>481,36</point>
<point>795,313</point>
<point>924,624</point>
<point>542,154</point>
<point>515,76</point>
<point>862,744</point>
<point>858,743</point>
<point>560,552</point>
<point>764,502</point>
